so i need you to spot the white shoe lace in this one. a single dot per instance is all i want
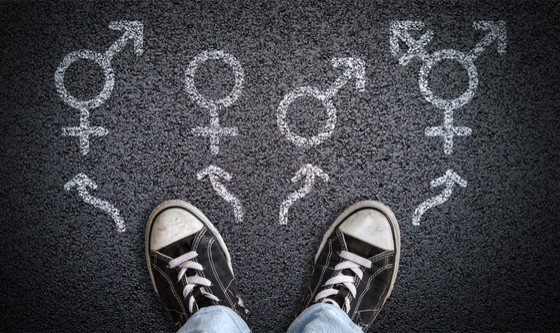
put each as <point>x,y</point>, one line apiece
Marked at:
<point>184,261</point>
<point>352,262</point>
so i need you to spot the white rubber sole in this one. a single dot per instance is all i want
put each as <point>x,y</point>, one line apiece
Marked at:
<point>394,226</point>
<point>193,210</point>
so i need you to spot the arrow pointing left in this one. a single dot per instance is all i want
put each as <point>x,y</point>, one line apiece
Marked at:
<point>82,182</point>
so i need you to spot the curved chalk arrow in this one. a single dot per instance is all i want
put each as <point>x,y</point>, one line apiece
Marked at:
<point>133,30</point>
<point>82,182</point>
<point>497,33</point>
<point>215,174</point>
<point>310,172</point>
<point>449,180</point>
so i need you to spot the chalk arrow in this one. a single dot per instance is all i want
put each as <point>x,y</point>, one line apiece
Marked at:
<point>497,32</point>
<point>82,182</point>
<point>449,180</point>
<point>355,68</point>
<point>133,30</point>
<point>216,175</point>
<point>400,31</point>
<point>307,172</point>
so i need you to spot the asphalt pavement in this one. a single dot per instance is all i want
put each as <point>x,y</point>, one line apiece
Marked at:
<point>486,258</point>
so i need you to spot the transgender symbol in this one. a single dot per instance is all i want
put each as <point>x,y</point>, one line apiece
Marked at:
<point>400,32</point>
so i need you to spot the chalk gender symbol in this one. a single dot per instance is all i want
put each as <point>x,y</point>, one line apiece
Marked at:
<point>82,182</point>
<point>449,180</point>
<point>215,131</point>
<point>133,30</point>
<point>215,175</point>
<point>308,173</point>
<point>400,31</point>
<point>355,68</point>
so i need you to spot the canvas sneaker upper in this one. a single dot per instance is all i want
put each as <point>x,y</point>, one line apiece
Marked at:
<point>188,262</point>
<point>356,265</point>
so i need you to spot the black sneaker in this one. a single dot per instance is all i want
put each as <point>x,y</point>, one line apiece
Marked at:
<point>188,262</point>
<point>356,265</point>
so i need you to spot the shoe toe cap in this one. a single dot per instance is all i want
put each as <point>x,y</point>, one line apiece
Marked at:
<point>171,225</point>
<point>370,226</point>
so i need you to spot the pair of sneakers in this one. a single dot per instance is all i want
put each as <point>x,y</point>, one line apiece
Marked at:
<point>355,267</point>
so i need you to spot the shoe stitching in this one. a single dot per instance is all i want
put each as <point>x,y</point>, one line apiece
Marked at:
<point>210,259</point>
<point>368,285</point>
<point>201,273</point>
<point>172,288</point>
<point>325,267</point>
<point>200,235</point>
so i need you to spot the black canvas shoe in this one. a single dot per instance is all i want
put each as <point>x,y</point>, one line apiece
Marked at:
<point>188,262</point>
<point>356,265</point>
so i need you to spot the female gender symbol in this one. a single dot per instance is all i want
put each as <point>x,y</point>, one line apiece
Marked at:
<point>215,130</point>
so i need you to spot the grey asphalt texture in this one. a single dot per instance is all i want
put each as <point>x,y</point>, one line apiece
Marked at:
<point>486,260</point>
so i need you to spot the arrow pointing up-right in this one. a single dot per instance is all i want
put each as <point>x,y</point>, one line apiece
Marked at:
<point>497,32</point>
<point>133,30</point>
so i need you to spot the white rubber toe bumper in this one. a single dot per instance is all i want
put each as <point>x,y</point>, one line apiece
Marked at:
<point>172,225</point>
<point>371,227</point>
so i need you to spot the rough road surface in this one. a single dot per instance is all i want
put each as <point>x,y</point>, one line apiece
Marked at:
<point>486,259</point>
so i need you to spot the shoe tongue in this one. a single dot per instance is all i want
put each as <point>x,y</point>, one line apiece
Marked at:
<point>361,248</point>
<point>179,247</point>
<point>201,300</point>
<point>340,296</point>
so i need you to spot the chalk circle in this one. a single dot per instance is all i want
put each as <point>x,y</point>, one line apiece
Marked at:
<point>237,73</point>
<point>105,93</point>
<point>282,115</point>
<point>463,60</point>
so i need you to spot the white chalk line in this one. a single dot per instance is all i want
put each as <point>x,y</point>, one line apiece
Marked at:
<point>215,131</point>
<point>449,180</point>
<point>498,33</point>
<point>84,131</point>
<point>354,68</point>
<point>448,131</point>
<point>416,48</point>
<point>133,30</point>
<point>81,182</point>
<point>215,174</point>
<point>310,172</point>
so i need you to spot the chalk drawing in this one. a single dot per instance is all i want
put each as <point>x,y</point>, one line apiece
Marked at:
<point>133,30</point>
<point>310,172</point>
<point>215,131</point>
<point>216,174</point>
<point>82,182</point>
<point>354,68</point>
<point>449,180</point>
<point>498,33</point>
<point>416,49</point>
